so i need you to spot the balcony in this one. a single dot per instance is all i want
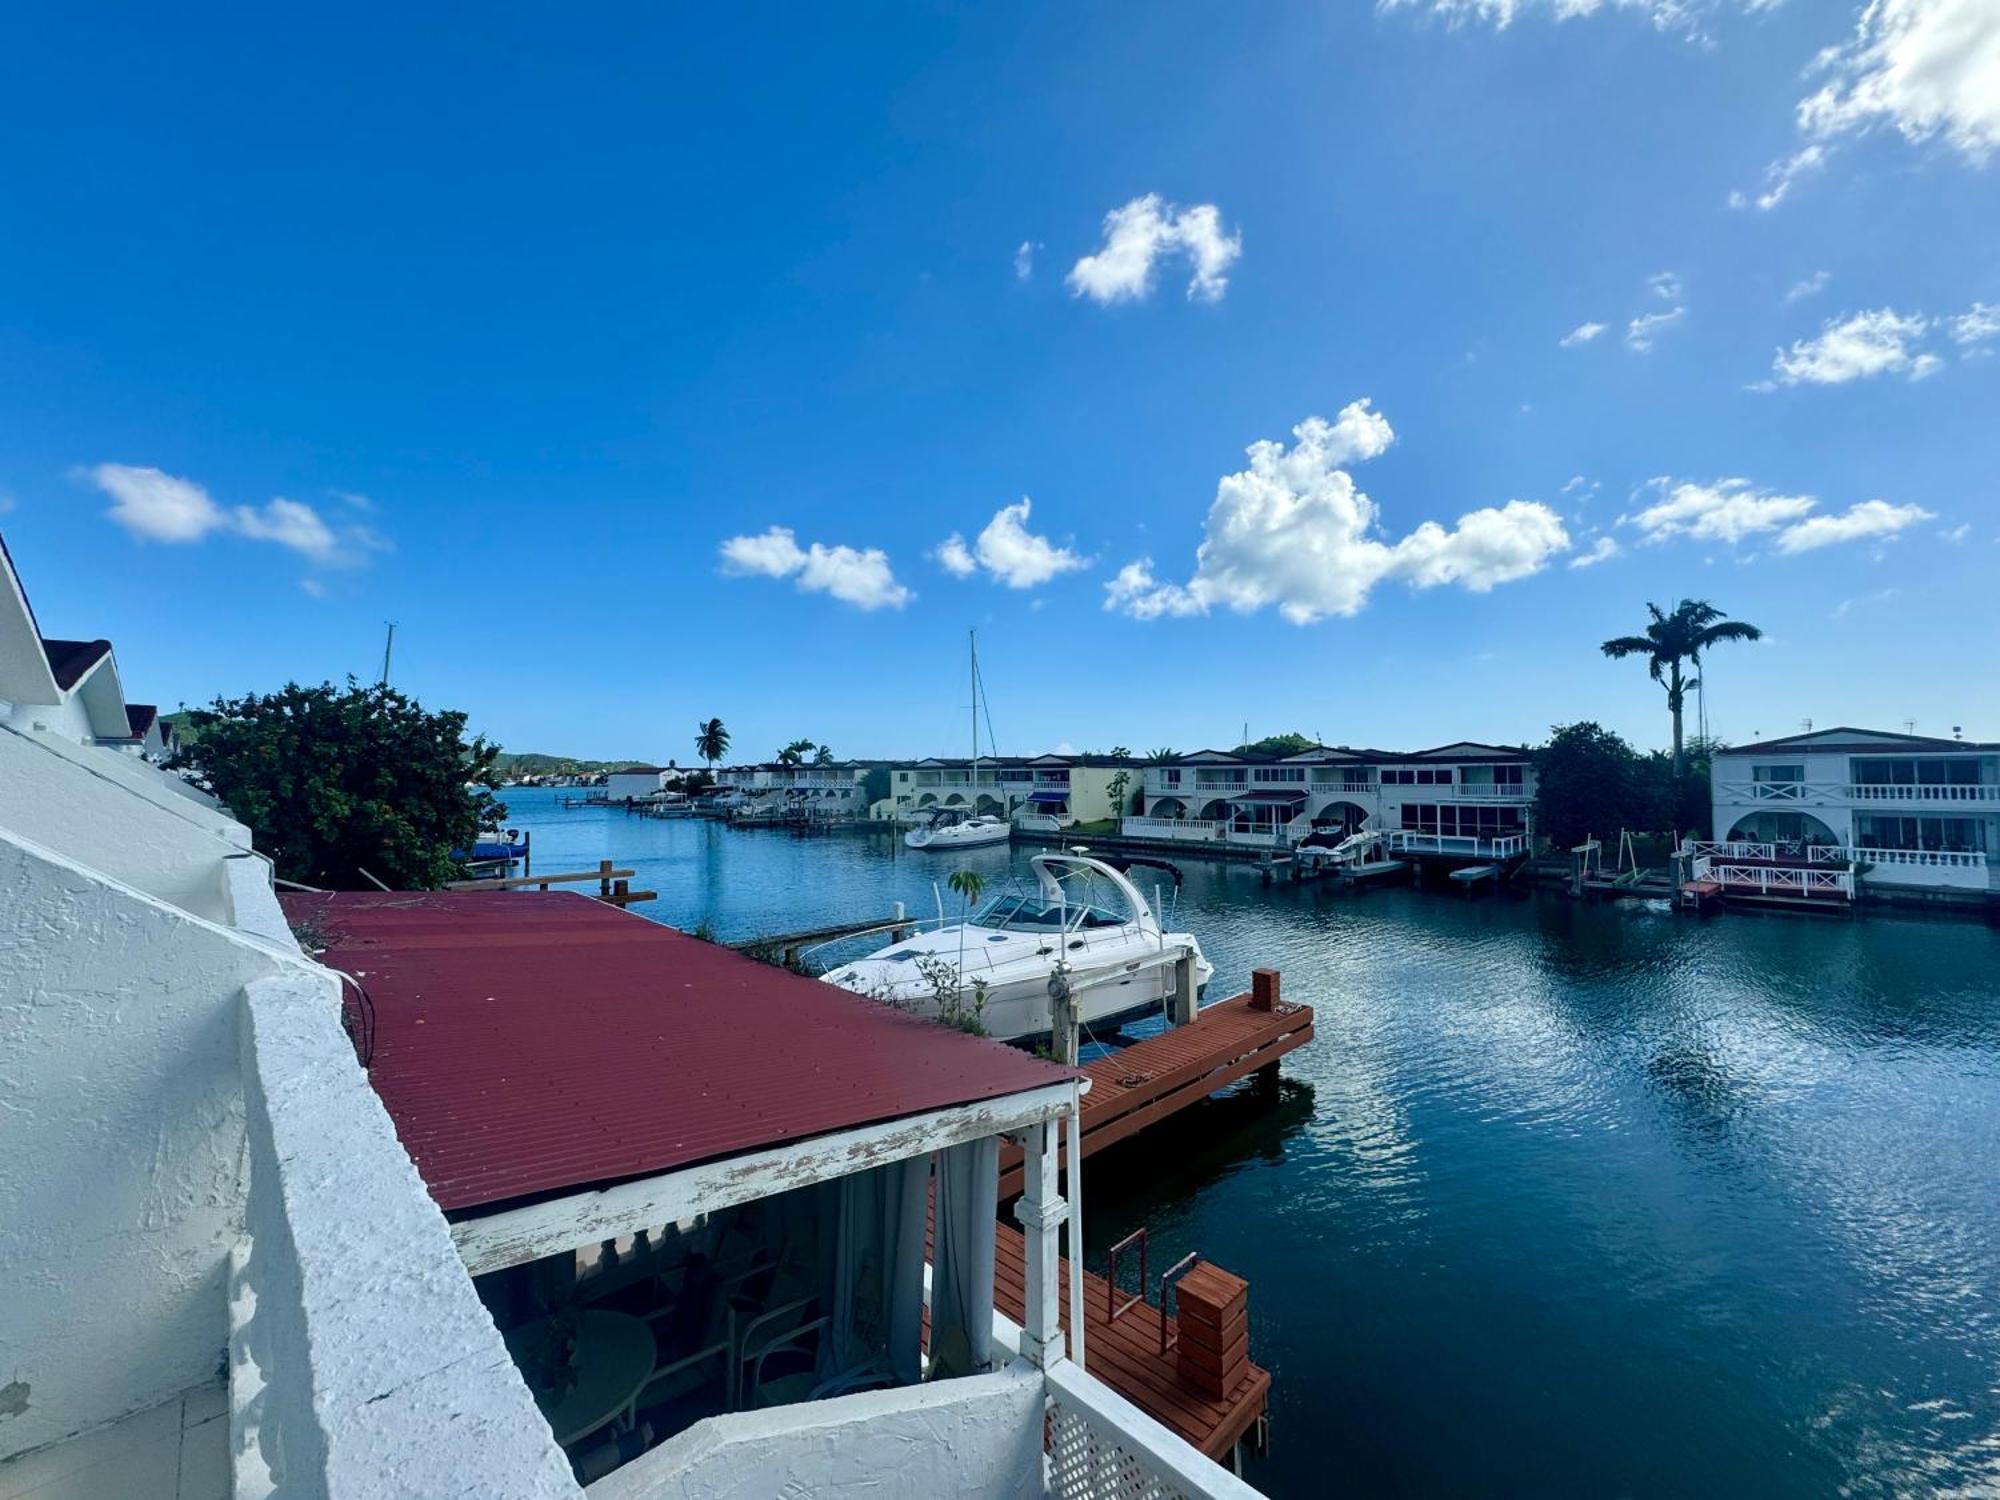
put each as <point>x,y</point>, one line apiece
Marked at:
<point>1459,845</point>
<point>1977,795</point>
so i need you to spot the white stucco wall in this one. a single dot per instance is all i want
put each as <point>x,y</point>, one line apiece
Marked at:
<point>147,782</point>
<point>977,1437</point>
<point>122,1120</point>
<point>366,1367</point>
<point>66,805</point>
<point>69,719</point>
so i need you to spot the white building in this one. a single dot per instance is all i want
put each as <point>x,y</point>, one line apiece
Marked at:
<point>227,1277</point>
<point>635,783</point>
<point>1908,812</point>
<point>1043,793</point>
<point>1466,798</point>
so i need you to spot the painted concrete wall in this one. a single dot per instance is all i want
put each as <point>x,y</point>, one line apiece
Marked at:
<point>66,805</point>
<point>977,1437</point>
<point>363,1366</point>
<point>69,718</point>
<point>147,782</point>
<point>120,1181</point>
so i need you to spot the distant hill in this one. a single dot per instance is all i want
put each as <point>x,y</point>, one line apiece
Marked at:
<point>529,763</point>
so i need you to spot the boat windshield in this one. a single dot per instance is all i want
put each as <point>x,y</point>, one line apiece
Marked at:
<point>1032,914</point>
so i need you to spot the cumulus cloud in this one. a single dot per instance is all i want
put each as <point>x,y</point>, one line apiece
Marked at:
<point>1583,333</point>
<point>861,577</point>
<point>1809,286</point>
<point>1735,510</point>
<point>159,507</point>
<point>1024,260</point>
<point>1602,550</point>
<point>1666,285</point>
<point>1144,232</point>
<point>1682,17</point>
<point>1925,68</point>
<point>1008,551</point>
<point>1294,531</point>
<point>1868,518</point>
<point>1644,329</point>
<point>155,505</point>
<point>1867,344</point>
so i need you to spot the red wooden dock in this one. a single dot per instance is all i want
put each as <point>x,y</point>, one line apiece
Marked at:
<point>1139,1085</point>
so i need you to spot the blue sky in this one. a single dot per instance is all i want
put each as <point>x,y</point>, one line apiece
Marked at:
<point>524,330</point>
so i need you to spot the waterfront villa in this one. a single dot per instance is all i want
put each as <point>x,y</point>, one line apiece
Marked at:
<point>517,1192</point>
<point>1909,814</point>
<point>1465,798</point>
<point>636,782</point>
<point>1041,793</point>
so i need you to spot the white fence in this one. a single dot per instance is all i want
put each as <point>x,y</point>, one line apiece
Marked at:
<point>1778,880</point>
<point>1471,846</point>
<point>1102,1447</point>
<point>1956,868</point>
<point>1887,792</point>
<point>1041,823</point>
<point>1188,830</point>
<point>1834,794</point>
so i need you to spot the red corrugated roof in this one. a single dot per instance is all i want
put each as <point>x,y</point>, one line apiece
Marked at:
<point>533,1042</point>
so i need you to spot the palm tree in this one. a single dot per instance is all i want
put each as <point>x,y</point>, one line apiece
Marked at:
<point>967,883</point>
<point>1681,636</point>
<point>793,754</point>
<point>711,743</point>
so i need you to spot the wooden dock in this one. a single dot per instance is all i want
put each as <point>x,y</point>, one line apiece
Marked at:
<point>1129,1355</point>
<point>1148,1080</point>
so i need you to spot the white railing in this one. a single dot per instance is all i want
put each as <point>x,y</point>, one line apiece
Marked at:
<point>1345,788</point>
<point>1876,791</point>
<point>1188,830</point>
<point>1941,859</point>
<point>1204,783</point>
<point>1102,1447</point>
<point>1473,846</point>
<point>1778,880</point>
<point>1837,854</point>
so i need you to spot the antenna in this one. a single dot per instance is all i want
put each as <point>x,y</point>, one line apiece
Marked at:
<point>1909,726</point>
<point>388,649</point>
<point>1805,726</point>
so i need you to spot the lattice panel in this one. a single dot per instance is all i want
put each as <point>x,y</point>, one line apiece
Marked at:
<point>1085,1463</point>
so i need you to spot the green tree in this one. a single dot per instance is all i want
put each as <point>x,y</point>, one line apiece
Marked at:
<point>1116,787</point>
<point>968,884</point>
<point>333,780</point>
<point>823,755</point>
<point>1671,639</point>
<point>1163,754</point>
<point>793,754</point>
<point>1278,744</point>
<point>1589,781</point>
<point>711,743</point>
<point>1119,752</point>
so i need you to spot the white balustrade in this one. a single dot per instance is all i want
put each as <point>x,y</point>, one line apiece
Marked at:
<point>1187,830</point>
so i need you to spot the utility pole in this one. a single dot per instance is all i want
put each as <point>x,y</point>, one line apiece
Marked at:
<point>388,648</point>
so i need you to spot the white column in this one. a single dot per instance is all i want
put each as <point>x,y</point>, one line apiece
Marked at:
<point>1041,1211</point>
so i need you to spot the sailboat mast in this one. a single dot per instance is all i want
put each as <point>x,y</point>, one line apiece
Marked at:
<point>972,641</point>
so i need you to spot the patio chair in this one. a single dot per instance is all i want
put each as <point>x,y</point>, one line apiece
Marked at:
<point>779,1332</point>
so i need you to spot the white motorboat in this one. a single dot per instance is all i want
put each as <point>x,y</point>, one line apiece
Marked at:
<point>960,833</point>
<point>1085,926</point>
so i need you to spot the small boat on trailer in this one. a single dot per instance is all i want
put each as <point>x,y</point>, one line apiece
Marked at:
<point>1085,929</point>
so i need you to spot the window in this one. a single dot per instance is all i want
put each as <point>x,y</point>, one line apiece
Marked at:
<point>1511,776</point>
<point>1283,774</point>
<point>1778,773</point>
<point>1171,776</point>
<point>1959,835</point>
<point>1417,776</point>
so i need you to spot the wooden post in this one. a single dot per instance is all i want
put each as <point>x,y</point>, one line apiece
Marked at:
<point>1213,1350</point>
<point>1041,1212</point>
<point>604,869</point>
<point>1264,989</point>
<point>1181,1009</point>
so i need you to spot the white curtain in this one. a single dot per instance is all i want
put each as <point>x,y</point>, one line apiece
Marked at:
<point>878,1274</point>
<point>968,1184</point>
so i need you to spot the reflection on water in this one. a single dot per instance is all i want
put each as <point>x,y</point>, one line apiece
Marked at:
<point>1564,1199</point>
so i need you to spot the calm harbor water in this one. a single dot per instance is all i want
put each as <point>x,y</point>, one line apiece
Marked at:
<point>1564,1199</point>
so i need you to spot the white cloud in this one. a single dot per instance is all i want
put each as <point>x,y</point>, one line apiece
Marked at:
<point>1735,510</point>
<point>1681,17</point>
<point>1583,333</point>
<point>1024,260</point>
<point>1869,518</point>
<point>1976,324</point>
<point>953,556</point>
<point>1780,177</point>
<point>1882,342</point>
<point>289,524</point>
<point>854,576</point>
<point>1927,68</point>
<point>1008,551</point>
<point>1602,550</point>
<point>161,507</point>
<point>1666,285</point>
<point>1958,533</point>
<point>1644,329</point>
<point>155,505</point>
<point>1147,230</point>
<point>1728,510</point>
<point>1810,286</point>
<point>314,587</point>
<point>1293,531</point>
